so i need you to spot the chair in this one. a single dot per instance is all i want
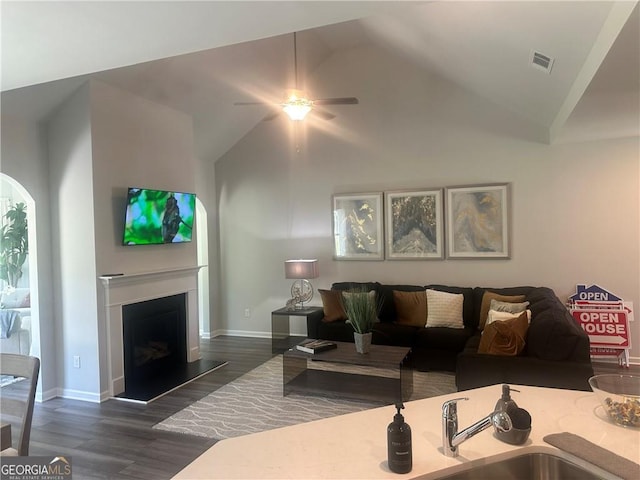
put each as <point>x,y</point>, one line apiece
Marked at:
<point>17,400</point>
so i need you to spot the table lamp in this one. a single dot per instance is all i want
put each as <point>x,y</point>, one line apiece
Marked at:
<point>301,291</point>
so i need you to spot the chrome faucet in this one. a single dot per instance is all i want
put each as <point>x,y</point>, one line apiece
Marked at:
<point>451,438</point>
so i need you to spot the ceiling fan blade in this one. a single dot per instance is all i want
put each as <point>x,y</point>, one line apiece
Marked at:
<point>254,103</point>
<point>337,101</point>
<point>323,114</point>
<point>270,116</point>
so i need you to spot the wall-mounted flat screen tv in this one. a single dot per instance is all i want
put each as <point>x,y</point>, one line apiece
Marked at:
<point>158,216</point>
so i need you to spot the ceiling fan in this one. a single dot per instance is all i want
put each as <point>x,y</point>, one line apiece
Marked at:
<point>297,104</point>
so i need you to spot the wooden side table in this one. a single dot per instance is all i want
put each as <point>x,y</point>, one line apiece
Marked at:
<point>281,339</point>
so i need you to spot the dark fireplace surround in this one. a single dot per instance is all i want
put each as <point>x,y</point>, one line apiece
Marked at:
<point>154,340</point>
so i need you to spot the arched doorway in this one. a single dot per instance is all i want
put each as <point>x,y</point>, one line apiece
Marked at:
<point>23,297</point>
<point>202,240</point>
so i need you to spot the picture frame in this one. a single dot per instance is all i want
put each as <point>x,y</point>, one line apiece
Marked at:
<point>478,221</point>
<point>358,226</point>
<point>414,225</point>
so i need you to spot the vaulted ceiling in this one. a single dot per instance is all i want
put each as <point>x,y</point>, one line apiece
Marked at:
<point>198,57</point>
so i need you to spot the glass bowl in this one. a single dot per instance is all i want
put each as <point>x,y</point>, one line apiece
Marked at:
<point>619,396</point>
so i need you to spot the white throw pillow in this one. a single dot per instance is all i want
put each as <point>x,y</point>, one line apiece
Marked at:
<point>495,316</point>
<point>444,309</point>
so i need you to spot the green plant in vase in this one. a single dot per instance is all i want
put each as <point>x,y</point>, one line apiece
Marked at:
<point>362,311</point>
<point>14,244</point>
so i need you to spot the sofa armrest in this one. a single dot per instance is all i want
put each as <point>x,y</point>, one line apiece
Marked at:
<point>313,320</point>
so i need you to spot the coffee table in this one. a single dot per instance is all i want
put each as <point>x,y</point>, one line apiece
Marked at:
<point>384,375</point>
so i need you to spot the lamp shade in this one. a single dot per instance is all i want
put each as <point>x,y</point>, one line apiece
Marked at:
<point>301,269</point>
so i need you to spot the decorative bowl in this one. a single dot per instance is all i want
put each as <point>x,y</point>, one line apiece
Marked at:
<point>619,396</point>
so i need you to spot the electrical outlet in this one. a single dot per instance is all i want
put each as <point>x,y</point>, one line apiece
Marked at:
<point>76,361</point>
<point>247,313</point>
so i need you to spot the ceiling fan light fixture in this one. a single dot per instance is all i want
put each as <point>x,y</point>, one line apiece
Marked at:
<point>296,106</point>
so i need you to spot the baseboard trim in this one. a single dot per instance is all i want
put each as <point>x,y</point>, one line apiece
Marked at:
<point>82,395</point>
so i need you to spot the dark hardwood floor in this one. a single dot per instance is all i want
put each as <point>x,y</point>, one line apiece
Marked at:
<point>116,440</point>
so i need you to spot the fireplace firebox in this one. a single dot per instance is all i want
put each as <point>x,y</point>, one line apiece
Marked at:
<point>154,340</point>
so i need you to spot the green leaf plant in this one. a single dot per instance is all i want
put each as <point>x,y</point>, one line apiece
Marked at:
<point>361,308</point>
<point>14,244</point>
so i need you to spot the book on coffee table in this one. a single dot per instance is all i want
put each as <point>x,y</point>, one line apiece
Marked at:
<point>315,346</point>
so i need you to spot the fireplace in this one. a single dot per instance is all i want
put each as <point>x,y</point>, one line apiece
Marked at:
<point>154,340</point>
<point>134,288</point>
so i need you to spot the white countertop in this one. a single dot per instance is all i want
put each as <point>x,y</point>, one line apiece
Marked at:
<point>354,446</point>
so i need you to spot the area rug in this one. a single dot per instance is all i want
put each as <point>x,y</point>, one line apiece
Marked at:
<point>254,403</point>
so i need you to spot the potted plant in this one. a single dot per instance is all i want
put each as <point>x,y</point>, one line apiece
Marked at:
<point>362,311</point>
<point>14,246</point>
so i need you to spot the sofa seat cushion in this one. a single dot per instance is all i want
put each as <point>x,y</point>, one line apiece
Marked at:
<point>385,333</point>
<point>442,338</point>
<point>338,331</point>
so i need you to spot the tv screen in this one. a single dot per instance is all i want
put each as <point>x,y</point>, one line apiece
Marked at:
<point>158,216</point>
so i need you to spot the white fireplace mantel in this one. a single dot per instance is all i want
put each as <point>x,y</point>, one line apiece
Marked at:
<point>124,289</point>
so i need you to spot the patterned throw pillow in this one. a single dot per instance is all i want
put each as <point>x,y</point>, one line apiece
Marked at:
<point>411,308</point>
<point>499,306</point>
<point>444,309</point>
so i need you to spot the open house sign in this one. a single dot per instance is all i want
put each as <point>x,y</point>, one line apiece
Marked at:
<point>605,317</point>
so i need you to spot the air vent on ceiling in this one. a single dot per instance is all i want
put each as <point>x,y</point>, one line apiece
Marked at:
<point>541,61</point>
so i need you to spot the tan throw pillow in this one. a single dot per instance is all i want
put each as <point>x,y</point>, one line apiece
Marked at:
<point>411,308</point>
<point>486,304</point>
<point>506,337</point>
<point>332,305</point>
<point>444,309</point>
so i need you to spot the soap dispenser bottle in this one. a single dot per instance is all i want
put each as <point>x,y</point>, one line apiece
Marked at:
<point>399,443</point>
<point>505,401</point>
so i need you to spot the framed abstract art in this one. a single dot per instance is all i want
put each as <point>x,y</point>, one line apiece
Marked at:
<point>478,221</point>
<point>414,225</point>
<point>358,226</point>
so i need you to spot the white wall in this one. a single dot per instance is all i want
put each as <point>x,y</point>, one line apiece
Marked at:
<point>575,209</point>
<point>135,143</point>
<point>25,159</point>
<point>78,168</point>
<point>74,248</point>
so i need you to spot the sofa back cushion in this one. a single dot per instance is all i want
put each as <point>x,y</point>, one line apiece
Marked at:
<point>388,312</point>
<point>553,333</point>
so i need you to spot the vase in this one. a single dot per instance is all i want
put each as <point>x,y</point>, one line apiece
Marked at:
<point>362,341</point>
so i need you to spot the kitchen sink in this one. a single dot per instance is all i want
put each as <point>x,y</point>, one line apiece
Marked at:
<point>530,466</point>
